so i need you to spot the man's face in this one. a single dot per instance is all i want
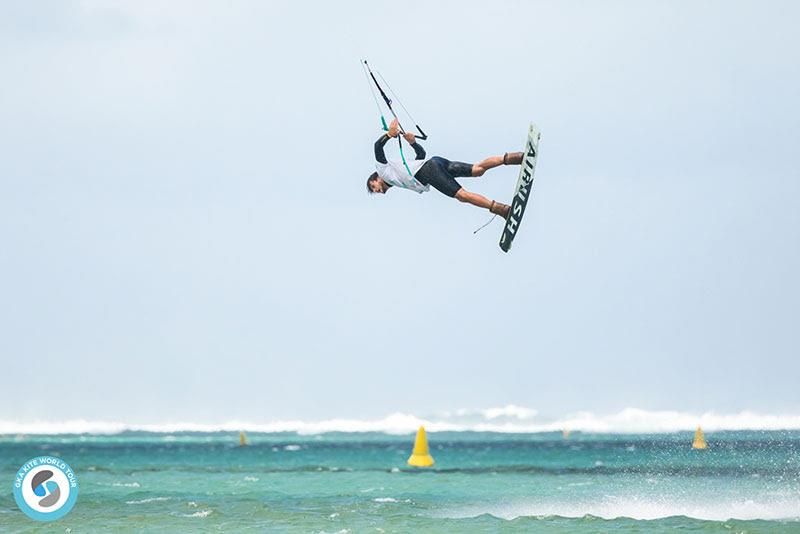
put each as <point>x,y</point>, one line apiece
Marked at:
<point>378,186</point>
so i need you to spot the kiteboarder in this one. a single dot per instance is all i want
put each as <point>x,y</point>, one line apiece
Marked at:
<point>422,173</point>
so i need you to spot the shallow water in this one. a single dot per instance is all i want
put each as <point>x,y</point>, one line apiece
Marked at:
<point>482,482</point>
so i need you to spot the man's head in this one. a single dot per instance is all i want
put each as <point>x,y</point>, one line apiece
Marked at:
<point>375,184</point>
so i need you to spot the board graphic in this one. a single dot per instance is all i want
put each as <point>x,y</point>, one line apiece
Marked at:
<point>522,193</point>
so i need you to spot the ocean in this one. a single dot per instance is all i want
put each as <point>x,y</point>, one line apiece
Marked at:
<point>359,482</point>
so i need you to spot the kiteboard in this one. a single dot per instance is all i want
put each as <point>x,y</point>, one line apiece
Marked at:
<point>522,193</point>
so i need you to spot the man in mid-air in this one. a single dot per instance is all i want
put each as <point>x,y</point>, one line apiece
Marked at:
<point>438,172</point>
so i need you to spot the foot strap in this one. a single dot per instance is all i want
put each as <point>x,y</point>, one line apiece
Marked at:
<point>512,158</point>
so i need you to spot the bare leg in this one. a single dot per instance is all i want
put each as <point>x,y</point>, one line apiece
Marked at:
<point>489,163</point>
<point>473,198</point>
<point>510,158</point>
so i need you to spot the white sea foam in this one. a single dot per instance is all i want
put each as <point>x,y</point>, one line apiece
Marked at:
<point>637,507</point>
<point>506,419</point>
<point>201,513</point>
<point>146,501</point>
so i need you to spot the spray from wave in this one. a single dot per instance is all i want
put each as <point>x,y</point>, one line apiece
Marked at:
<point>640,507</point>
<point>505,419</point>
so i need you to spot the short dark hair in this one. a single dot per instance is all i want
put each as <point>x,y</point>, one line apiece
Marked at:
<point>372,178</point>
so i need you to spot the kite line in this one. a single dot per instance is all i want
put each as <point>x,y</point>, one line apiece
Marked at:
<point>388,101</point>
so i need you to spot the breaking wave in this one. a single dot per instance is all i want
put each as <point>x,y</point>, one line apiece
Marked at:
<point>506,419</point>
<point>641,508</point>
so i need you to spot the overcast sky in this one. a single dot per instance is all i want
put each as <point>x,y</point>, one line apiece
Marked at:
<point>185,231</point>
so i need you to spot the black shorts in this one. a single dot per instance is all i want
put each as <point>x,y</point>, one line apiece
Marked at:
<point>441,174</point>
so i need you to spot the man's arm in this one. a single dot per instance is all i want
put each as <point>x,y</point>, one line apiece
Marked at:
<point>379,153</point>
<point>412,140</point>
<point>419,150</point>
<point>394,126</point>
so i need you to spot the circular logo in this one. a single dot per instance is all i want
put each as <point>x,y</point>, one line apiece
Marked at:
<point>45,488</point>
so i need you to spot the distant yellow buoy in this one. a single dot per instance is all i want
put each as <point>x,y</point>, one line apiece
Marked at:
<point>565,433</point>
<point>421,456</point>
<point>699,440</point>
<point>243,440</point>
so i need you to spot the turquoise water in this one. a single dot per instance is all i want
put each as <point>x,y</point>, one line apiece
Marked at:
<point>482,482</point>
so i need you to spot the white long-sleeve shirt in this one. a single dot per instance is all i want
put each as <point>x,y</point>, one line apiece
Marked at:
<point>395,173</point>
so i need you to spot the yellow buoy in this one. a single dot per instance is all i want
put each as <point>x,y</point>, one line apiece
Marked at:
<point>699,440</point>
<point>565,433</point>
<point>421,456</point>
<point>242,439</point>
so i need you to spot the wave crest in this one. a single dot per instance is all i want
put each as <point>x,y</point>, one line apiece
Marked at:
<point>505,419</point>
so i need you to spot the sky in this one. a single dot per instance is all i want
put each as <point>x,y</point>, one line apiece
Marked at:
<point>185,232</point>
